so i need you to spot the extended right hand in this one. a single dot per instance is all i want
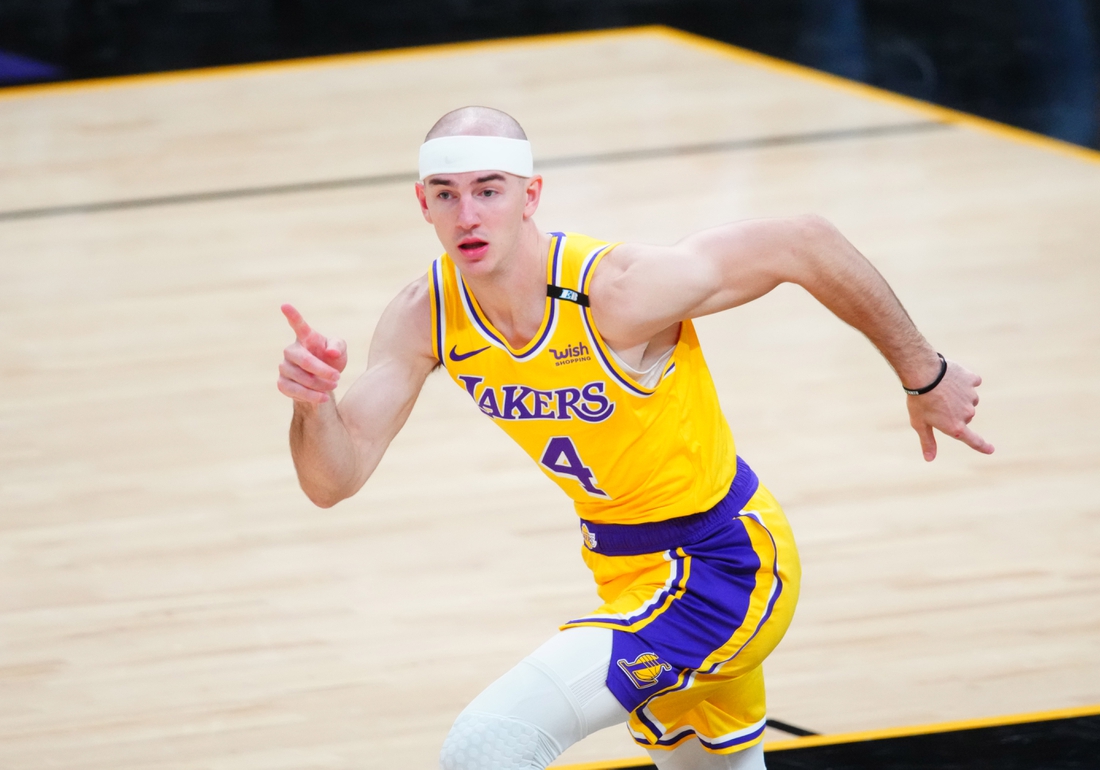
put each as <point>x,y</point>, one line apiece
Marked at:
<point>948,408</point>
<point>312,364</point>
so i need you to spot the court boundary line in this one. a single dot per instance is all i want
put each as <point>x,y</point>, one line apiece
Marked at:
<point>336,60</point>
<point>690,39</point>
<point>871,735</point>
<point>565,161</point>
<point>935,111</point>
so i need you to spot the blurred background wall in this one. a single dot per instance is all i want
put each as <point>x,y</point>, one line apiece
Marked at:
<point>1030,63</point>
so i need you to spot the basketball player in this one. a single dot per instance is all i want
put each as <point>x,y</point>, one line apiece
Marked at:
<point>584,352</point>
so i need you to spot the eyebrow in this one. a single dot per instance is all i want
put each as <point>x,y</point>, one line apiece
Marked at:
<point>444,182</point>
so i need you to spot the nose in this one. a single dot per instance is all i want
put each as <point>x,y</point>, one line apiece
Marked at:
<point>467,212</point>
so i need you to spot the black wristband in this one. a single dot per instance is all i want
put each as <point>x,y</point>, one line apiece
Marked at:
<point>935,382</point>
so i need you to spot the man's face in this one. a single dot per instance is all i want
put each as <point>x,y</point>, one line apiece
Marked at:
<point>479,215</point>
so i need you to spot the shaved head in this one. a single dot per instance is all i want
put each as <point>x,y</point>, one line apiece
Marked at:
<point>477,121</point>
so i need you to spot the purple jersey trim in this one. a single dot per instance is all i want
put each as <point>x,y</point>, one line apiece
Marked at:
<point>656,536</point>
<point>488,331</point>
<point>439,310</point>
<point>586,315</point>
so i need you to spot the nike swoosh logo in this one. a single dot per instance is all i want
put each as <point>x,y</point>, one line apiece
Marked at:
<point>463,356</point>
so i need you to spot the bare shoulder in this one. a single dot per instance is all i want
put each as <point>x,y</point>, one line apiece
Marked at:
<point>404,330</point>
<point>414,300</point>
<point>634,288</point>
<point>626,257</point>
<point>619,275</point>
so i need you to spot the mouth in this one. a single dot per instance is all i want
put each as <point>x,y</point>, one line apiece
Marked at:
<point>473,247</point>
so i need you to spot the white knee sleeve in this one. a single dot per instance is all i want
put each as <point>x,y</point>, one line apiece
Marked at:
<point>552,699</point>
<point>480,741</point>
<point>577,661</point>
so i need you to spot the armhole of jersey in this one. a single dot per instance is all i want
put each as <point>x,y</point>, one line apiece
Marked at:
<point>687,339</point>
<point>603,352</point>
<point>438,303</point>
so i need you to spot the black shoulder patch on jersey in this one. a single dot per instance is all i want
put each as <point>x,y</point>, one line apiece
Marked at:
<point>569,295</point>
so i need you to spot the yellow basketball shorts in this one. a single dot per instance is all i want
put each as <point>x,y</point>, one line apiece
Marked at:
<point>694,623</point>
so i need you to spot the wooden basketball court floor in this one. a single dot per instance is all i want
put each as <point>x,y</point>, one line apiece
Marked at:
<point>169,598</point>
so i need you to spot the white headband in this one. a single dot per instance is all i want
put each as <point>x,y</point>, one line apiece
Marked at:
<point>456,154</point>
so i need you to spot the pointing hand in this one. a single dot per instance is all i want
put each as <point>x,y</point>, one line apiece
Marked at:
<point>312,364</point>
<point>948,408</point>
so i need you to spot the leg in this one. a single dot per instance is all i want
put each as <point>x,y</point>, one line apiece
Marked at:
<point>692,756</point>
<point>552,699</point>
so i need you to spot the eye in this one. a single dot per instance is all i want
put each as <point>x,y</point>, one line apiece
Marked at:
<point>444,195</point>
<point>489,193</point>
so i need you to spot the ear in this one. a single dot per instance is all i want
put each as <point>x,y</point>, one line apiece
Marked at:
<point>422,197</point>
<point>534,194</point>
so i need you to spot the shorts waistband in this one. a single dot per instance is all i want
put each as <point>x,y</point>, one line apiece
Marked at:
<point>655,536</point>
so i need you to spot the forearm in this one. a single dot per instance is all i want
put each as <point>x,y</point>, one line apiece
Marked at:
<point>324,453</point>
<point>840,278</point>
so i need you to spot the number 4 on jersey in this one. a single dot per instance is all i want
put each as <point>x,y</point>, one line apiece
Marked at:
<point>560,457</point>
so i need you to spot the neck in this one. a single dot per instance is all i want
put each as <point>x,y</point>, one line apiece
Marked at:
<point>514,297</point>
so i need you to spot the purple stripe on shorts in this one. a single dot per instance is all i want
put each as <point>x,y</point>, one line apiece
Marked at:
<point>656,536</point>
<point>736,740</point>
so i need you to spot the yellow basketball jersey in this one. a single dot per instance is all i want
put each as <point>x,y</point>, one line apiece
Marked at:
<point>625,453</point>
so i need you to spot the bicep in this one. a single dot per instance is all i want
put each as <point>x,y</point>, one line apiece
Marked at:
<point>644,289</point>
<point>377,404</point>
<point>745,260</point>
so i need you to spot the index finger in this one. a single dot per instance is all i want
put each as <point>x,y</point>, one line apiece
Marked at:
<point>974,441</point>
<point>297,323</point>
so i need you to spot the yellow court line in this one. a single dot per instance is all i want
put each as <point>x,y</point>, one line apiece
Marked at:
<point>315,62</point>
<point>944,114</point>
<point>939,727</point>
<point>872,735</point>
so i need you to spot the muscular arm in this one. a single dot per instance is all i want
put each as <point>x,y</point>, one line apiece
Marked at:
<point>639,291</point>
<point>337,447</point>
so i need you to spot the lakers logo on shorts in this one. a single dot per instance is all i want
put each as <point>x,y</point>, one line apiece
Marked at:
<point>589,537</point>
<point>644,670</point>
